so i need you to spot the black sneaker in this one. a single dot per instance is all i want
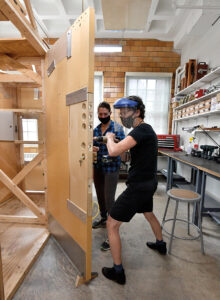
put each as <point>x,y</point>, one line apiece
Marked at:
<point>160,247</point>
<point>105,245</point>
<point>99,224</point>
<point>111,274</point>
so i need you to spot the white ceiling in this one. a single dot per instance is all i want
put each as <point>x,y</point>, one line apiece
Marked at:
<point>160,19</point>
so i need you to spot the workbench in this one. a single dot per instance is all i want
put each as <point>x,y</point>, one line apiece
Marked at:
<point>203,168</point>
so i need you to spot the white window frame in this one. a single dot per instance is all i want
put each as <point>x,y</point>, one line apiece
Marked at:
<point>150,75</point>
<point>30,145</point>
<point>100,74</point>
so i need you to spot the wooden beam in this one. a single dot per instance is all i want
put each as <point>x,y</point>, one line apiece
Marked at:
<point>15,78</point>
<point>11,12</point>
<point>3,17</point>
<point>21,195</point>
<point>4,192</point>
<point>23,110</point>
<point>21,219</point>
<point>9,64</point>
<point>17,47</point>
<point>29,142</point>
<point>30,14</point>
<point>2,294</point>
<point>21,9</point>
<point>21,85</point>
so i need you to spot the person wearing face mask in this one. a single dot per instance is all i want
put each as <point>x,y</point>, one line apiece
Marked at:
<point>141,181</point>
<point>106,169</point>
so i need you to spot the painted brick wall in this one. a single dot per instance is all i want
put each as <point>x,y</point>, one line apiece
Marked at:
<point>137,56</point>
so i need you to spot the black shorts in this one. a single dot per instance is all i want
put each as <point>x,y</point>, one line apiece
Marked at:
<point>137,198</point>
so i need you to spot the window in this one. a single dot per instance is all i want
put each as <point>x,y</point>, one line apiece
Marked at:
<point>98,95</point>
<point>30,131</point>
<point>154,89</point>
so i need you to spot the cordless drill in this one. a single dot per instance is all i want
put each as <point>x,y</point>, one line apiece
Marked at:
<point>103,139</point>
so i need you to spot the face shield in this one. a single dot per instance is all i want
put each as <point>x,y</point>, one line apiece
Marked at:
<point>124,113</point>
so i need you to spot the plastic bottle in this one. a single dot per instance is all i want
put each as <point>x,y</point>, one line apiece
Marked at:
<point>189,147</point>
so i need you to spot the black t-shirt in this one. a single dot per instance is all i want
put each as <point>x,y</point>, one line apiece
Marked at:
<point>143,154</point>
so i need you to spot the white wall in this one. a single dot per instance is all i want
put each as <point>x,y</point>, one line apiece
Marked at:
<point>205,48</point>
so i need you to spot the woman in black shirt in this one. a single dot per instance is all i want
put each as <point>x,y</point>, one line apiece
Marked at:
<point>141,182</point>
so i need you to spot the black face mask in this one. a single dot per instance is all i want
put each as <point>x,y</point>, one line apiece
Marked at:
<point>127,122</point>
<point>104,120</point>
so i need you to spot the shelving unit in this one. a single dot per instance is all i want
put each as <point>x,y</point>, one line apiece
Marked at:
<point>208,129</point>
<point>195,101</point>
<point>216,112</point>
<point>201,82</point>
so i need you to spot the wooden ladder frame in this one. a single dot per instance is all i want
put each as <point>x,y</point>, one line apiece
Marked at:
<point>12,187</point>
<point>2,293</point>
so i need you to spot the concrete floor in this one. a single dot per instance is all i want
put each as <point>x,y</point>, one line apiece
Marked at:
<point>186,274</point>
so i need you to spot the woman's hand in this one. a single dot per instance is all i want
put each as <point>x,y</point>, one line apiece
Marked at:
<point>95,149</point>
<point>110,136</point>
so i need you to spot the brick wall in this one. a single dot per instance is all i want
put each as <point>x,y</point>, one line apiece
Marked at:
<point>136,56</point>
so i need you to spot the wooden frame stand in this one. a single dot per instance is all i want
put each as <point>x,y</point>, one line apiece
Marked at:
<point>80,279</point>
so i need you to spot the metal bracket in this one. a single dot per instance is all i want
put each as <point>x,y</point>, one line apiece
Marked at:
<point>69,44</point>
<point>51,68</point>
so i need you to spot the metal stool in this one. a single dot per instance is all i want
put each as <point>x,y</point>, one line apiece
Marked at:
<point>186,196</point>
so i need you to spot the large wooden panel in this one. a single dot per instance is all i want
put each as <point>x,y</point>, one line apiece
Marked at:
<point>65,123</point>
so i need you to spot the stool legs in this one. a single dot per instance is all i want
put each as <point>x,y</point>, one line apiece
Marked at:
<point>188,217</point>
<point>165,213</point>
<point>200,227</point>
<point>173,227</point>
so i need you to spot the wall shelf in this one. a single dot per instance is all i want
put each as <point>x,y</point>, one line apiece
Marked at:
<point>195,101</point>
<point>208,129</point>
<point>216,112</point>
<point>201,82</point>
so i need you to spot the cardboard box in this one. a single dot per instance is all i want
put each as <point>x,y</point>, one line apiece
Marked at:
<point>202,104</point>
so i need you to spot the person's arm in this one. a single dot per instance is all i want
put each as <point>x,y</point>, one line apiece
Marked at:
<point>115,149</point>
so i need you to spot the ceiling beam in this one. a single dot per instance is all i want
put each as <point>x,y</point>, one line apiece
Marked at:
<point>152,11</point>
<point>9,64</point>
<point>21,23</point>
<point>61,9</point>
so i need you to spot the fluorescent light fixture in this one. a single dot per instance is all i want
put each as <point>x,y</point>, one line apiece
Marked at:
<point>107,48</point>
